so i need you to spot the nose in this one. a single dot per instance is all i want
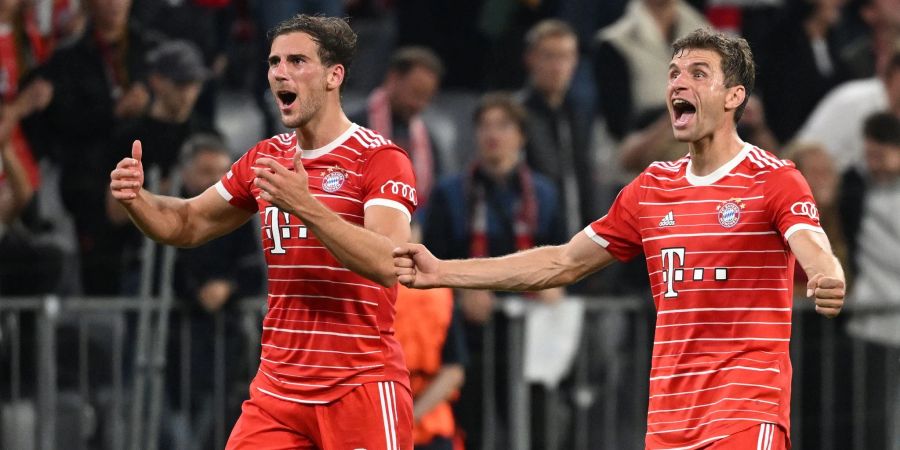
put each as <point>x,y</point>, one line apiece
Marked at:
<point>278,71</point>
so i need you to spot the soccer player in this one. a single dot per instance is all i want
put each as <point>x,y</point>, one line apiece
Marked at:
<point>721,228</point>
<point>334,199</point>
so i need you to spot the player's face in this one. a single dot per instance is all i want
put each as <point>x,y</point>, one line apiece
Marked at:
<point>696,96</point>
<point>297,78</point>
<point>551,63</point>
<point>499,137</point>
<point>412,92</point>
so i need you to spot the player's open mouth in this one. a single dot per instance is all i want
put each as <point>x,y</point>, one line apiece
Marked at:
<point>286,98</point>
<point>683,111</point>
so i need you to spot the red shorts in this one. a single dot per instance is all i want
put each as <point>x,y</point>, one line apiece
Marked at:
<point>374,416</point>
<point>766,436</point>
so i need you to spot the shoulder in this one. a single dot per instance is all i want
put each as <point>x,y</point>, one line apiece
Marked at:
<point>666,169</point>
<point>370,143</point>
<point>767,164</point>
<point>852,92</point>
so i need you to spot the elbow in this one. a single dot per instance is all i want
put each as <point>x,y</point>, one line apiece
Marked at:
<point>388,280</point>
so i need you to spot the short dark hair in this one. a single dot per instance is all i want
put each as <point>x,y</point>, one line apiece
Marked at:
<point>548,28</point>
<point>737,58</point>
<point>336,40</point>
<point>203,142</point>
<point>507,103</point>
<point>405,59</point>
<point>882,127</point>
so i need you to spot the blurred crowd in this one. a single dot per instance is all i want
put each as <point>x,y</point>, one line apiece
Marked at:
<point>522,118</point>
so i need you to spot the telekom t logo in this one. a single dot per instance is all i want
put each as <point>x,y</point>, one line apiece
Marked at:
<point>672,270</point>
<point>278,228</point>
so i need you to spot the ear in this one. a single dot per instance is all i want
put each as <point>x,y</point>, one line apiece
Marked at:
<point>335,77</point>
<point>734,97</point>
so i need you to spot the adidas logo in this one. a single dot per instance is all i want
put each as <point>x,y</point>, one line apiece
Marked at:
<point>668,220</point>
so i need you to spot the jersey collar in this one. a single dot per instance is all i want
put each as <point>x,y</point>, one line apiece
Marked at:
<point>717,174</point>
<point>327,148</point>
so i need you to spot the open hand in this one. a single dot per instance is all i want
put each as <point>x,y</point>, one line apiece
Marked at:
<point>128,176</point>
<point>828,294</point>
<point>415,266</point>
<point>280,186</point>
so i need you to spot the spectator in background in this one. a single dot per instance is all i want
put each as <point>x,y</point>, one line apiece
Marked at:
<point>870,201</point>
<point>176,76</point>
<point>430,332</point>
<point>99,80</point>
<point>805,40</point>
<point>394,110</point>
<point>559,125</point>
<point>881,20</point>
<point>498,205</point>
<point>630,59</point>
<point>837,120</point>
<point>205,23</point>
<point>208,282</point>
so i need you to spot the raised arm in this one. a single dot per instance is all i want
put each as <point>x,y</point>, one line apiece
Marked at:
<point>528,270</point>
<point>364,250</point>
<point>826,277</point>
<point>170,220</point>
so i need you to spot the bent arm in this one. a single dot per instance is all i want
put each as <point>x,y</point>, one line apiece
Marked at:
<point>530,270</point>
<point>364,250</point>
<point>185,222</point>
<point>450,378</point>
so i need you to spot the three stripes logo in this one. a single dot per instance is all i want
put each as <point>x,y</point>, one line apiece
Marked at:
<point>668,220</point>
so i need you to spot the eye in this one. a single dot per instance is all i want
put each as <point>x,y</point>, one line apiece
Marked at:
<point>294,60</point>
<point>673,74</point>
<point>273,62</point>
<point>699,74</point>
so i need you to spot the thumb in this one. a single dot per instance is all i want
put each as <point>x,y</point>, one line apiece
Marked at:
<point>298,160</point>
<point>136,151</point>
<point>812,284</point>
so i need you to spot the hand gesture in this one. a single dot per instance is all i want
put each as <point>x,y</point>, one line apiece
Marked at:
<point>828,293</point>
<point>282,187</point>
<point>415,266</point>
<point>128,176</point>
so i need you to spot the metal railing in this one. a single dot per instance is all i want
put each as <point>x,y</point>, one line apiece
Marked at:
<point>85,369</point>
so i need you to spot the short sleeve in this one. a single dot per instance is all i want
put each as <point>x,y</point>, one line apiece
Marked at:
<point>790,203</point>
<point>235,186</point>
<point>618,231</point>
<point>388,180</point>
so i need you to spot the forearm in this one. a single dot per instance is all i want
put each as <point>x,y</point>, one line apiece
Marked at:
<point>447,381</point>
<point>363,251</point>
<point>530,270</point>
<point>163,219</point>
<point>19,184</point>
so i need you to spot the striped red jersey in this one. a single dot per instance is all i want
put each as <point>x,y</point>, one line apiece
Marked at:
<point>327,329</point>
<point>721,273</point>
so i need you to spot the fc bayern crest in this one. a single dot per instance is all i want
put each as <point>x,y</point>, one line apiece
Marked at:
<point>333,180</point>
<point>730,212</point>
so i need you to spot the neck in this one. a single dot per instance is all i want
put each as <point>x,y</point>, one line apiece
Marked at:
<point>554,99</point>
<point>159,112</point>
<point>497,169</point>
<point>711,152</point>
<point>324,127</point>
<point>816,28</point>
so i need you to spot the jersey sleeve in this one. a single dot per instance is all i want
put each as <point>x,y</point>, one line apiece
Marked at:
<point>790,203</point>
<point>388,180</point>
<point>618,231</point>
<point>235,186</point>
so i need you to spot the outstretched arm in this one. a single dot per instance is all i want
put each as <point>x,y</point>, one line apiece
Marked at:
<point>826,277</point>
<point>364,250</point>
<point>170,220</point>
<point>529,270</point>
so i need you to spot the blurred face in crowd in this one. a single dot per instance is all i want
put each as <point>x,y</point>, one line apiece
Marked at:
<point>817,167</point>
<point>500,140</point>
<point>411,92</point>
<point>551,63</point>
<point>883,161</point>
<point>204,170</point>
<point>882,13</point>
<point>8,9</point>
<point>109,15</point>
<point>298,79</point>
<point>828,11</point>
<point>699,103</point>
<point>892,86</point>
<point>176,99</point>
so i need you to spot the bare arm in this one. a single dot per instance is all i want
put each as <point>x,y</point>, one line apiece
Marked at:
<point>170,220</point>
<point>364,250</point>
<point>445,383</point>
<point>826,277</point>
<point>529,270</point>
<point>21,191</point>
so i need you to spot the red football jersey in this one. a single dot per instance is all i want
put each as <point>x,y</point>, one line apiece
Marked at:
<point>328,329</point>
<point>721,274</point>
